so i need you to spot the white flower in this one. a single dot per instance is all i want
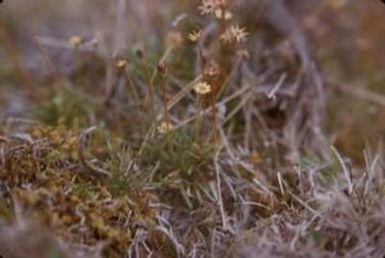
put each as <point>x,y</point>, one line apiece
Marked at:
<point>234,33</point>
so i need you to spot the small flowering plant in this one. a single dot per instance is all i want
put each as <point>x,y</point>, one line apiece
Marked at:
<point>227,38</point>
<point>216,49</point>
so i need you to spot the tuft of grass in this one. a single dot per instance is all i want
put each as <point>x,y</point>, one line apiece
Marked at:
<point>178,150</point>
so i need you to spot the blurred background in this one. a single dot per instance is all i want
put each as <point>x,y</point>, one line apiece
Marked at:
<point>346,37</point>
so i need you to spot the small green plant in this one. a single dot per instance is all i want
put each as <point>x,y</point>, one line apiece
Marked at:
<point>178,150</point>
<point>178,161</point>
<point>66,107</point>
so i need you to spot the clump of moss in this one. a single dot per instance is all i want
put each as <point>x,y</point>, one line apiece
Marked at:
<point>43,173</point>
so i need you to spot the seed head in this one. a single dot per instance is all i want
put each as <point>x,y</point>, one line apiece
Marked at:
<point>139,53</point>
<point>162,68</point>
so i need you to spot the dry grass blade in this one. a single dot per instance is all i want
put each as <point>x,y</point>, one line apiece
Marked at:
<point>178,97</point>
<point>82,143</point>
<point>223,102</point>
<point>345,169</point>
<point>362,93</point>
<point>219,191</point>
<point>272,94</point>
<point>4,139</point>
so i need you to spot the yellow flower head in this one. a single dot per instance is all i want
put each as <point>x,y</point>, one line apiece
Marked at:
<point>195,36</point>
<point>75,41</point>
<point>202,88</point>
<point>165,127</point>
<point>121,64</point>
